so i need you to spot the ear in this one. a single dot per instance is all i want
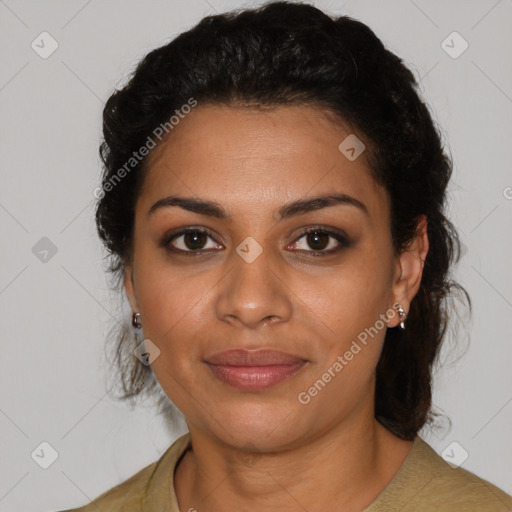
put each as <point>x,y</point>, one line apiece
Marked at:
<point>129,287</point>
<point>409,270</point>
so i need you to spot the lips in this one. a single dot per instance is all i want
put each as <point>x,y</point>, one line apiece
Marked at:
<point>260,357</point>
<point>254,370</point>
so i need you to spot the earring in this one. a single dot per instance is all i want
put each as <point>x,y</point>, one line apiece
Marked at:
<point>403,316</point>
<point>136,321</point>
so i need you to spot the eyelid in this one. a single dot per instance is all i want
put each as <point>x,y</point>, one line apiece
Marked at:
<point>338,234</point>
<point>183,231</point>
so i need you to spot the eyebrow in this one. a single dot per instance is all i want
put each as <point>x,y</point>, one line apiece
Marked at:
<point>301,206</point>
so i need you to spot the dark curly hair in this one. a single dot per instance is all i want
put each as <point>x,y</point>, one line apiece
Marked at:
<point>287,53</point>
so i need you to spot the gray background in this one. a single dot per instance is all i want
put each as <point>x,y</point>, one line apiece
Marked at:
<point>55,314</point>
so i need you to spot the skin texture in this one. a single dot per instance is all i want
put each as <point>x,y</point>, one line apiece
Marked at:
<point>264,450</point>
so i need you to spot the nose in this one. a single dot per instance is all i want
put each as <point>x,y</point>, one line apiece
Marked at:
<point>254,294</point>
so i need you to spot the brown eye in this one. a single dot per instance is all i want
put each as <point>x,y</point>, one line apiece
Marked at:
<point>318,240</point>
<point>194,240</point>
<point>190,241</point>
<point>321,241</point>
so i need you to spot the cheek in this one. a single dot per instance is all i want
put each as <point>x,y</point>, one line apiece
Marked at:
<point>172,313</point>
<point>349,300</point>
<point>167,296</point>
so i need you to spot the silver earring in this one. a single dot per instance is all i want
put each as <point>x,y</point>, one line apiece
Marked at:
<point>403,316</point>
<point>136,321</point>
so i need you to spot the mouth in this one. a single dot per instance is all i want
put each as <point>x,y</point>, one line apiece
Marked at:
<point>254,370</point>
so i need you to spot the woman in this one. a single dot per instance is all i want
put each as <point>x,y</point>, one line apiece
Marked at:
<point>273,204</point>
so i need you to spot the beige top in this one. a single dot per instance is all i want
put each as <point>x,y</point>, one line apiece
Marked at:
<point>424,482</point>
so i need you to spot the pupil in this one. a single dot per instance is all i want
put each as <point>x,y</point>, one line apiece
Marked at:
<point>193,240</point>
<point>315,235</point>
<point>194,236</point>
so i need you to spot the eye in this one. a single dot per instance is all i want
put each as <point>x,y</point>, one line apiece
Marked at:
<point>194,242</point>
<point>322,241</point>
<point>190,241</point>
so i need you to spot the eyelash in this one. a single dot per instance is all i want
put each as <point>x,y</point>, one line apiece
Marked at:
<point>195,253</point>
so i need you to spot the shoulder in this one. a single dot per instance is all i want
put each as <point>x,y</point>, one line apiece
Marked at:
<point>427,482</point>
<point>460,483</point>
<point>467,491</point>
<point>126,496</point>
<point>132,494</point>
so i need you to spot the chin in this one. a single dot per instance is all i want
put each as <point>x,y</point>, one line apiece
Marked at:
<point>265,427</point>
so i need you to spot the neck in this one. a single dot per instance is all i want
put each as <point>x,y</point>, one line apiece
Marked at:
<point>349,466</point>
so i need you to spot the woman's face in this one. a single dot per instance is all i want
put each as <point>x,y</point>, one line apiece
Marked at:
<point>261,282</point>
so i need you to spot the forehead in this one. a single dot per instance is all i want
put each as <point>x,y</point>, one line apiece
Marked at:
<point>248,157</point>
